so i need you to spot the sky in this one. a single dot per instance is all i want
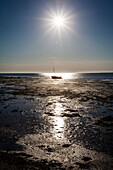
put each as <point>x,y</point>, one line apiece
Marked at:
<point>29,43</point>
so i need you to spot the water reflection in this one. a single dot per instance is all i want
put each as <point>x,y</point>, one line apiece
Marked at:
<point>58,109</point>
<point>58,122</point>
<point>58,128</point>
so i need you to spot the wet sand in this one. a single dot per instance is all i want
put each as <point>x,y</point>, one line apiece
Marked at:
<point>56,124</point>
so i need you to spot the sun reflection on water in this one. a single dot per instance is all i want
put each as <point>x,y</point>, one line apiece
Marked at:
<point>58,128</point>
<point>58,109</point>
<point>58,122</point>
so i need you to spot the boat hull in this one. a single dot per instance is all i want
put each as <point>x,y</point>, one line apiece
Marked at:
<point>56,77</point>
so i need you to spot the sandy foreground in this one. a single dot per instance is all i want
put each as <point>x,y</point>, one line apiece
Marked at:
<point>56,124</point>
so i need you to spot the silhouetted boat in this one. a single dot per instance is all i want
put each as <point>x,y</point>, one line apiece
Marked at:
<point>55,77</point>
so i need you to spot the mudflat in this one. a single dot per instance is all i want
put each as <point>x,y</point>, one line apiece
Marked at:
<point>56,124</point>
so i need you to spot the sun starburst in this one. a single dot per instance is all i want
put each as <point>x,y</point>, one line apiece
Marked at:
<point>59,20</point>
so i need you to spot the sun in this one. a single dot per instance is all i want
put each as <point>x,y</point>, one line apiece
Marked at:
<point>58,21</point>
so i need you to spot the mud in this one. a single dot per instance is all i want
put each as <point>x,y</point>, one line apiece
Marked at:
<point>56,124</point>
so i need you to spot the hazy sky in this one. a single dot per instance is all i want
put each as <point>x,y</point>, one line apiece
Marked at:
<point>28,44</point>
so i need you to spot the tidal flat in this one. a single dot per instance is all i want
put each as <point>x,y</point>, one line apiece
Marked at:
<point>56,124</point>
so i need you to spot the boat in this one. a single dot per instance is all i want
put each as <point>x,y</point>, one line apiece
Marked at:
<point>55,77</point>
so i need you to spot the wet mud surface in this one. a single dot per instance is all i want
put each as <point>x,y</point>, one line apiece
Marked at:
<point>56,124</point>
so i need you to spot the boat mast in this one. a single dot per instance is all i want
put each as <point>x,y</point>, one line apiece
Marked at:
<point>53,70</point>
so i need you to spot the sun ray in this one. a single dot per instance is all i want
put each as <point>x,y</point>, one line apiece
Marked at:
<point>58,21</point>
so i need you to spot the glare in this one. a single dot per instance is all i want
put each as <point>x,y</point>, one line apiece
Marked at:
<point>58,129</point>
<point>58,21</point>
<point>58,122</point>
<point>58,109</point>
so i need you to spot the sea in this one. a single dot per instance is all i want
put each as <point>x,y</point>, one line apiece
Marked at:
<point>103,75</point>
